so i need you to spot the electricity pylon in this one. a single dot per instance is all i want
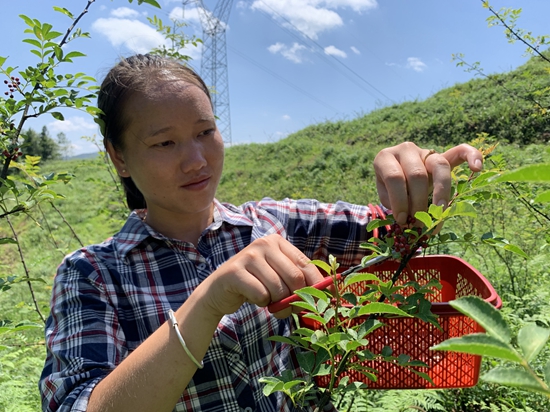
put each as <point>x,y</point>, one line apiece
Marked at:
<point>214,60</point>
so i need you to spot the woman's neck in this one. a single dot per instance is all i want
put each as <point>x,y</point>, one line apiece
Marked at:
<point>186,228</point>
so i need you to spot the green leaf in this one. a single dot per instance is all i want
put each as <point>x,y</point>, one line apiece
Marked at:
<point>308,291</point>
<point>541,197</point>
<point>547,372</point>
<point>530,173</point>
<point>305,305</point>
<point>423,375</point>
<point>27,20</point>
<point>532,339</point>
<point>73,54</point>
<point>64,11</point>
<point>306,360</point>
<point>2,60</point>
<point>151,2</point>
<point>272,384</point>
<point>328,315</point>
<point>485,314</point>
<point>385,308</point>
<point>483,179</point>
<point>57,115</point>
<point>515,377</point>
<point>480,344</point>
<point>461,209</point>
<point>33,42</point>
<point>282,339</point>
<point>323,265</point>
<point>435,211</point>
<point>360,277</point>
<point>6,240</point>
<point>515,249</point>
<point>425,218</point>
<point>290,384</point>
<point>316,317</point>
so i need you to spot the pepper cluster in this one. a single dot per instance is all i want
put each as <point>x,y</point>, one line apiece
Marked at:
<point>408,237</point>
<point>12,86</point>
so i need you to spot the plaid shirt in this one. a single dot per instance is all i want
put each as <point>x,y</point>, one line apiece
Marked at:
<point>108,298</point>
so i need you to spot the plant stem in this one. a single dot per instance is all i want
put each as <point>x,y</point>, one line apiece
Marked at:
<point>36,307</point>
<point>515,33</point>
<point>68,224</point>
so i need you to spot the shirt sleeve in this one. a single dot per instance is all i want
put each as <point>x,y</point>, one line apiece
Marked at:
<point>322,229</point>
<point>84,341</point>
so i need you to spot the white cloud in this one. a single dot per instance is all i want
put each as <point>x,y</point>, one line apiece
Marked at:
<point>293,53</point>
<point>75,124</point>
<point>189,16</point>
<point>136,36</point>
<point>286,117</point>
<point>355,50</point>
<point>355,5</point>
<point>311,17</point>
<point>416,64</point>
<point>333,51</point>
<point>124,12</point>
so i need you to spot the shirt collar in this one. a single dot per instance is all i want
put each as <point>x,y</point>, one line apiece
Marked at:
<point>135,230</point>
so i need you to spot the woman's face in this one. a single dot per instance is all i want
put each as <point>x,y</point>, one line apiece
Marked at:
<point>172,150</point>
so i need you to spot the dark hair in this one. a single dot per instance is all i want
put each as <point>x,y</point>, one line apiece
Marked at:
<point>135,74</point>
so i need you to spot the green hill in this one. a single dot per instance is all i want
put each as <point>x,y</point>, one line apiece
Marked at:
<point>327,160</point>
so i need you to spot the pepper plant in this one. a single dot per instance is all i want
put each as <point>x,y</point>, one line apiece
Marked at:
<point>43,88</point>
<point>338,342</point>
<point>497,341</point>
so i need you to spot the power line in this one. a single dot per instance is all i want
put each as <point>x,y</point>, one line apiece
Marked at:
<point>324,54</point>
<point>260,66</point>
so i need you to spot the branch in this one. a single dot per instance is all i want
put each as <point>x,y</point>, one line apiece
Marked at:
<point>36,307</point>
<point>515,33</point>
<point>25,115</point>
<point>16,210</point>
<point>68,224</point>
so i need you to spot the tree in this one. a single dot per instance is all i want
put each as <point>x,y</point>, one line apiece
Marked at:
<point>65,146</point>
<point>40,144</point>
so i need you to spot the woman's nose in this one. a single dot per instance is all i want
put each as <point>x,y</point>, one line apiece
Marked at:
<point>192,157</point>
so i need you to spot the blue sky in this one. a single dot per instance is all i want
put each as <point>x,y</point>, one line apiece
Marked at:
<point>292,63</point>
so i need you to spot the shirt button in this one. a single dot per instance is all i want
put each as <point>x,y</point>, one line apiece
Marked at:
<point>235,357</point>
<point>201,266</point>
<point>248,409</point>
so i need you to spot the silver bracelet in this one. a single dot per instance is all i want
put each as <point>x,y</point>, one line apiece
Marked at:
<point>174,322</point>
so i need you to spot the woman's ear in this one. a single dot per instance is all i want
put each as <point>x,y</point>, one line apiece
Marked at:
<point>118,159</point>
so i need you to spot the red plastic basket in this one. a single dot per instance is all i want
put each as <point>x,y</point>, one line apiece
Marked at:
<point>414,337</point>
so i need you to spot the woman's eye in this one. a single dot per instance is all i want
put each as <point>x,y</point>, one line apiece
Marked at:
<point>164,144</point>
<point>207,132</point>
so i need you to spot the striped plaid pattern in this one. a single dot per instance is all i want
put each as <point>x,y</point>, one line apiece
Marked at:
<point>108,298</point>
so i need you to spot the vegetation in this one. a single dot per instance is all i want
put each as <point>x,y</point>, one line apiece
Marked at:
<point>328,161</point>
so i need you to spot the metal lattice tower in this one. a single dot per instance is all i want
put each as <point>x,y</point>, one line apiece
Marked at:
<point>214,60</point>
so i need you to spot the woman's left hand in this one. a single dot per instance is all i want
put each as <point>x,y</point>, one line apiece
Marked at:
<point>405,175</point>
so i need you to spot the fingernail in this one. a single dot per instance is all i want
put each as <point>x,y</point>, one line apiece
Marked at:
<point>478,164</point>
<point>402,218</point>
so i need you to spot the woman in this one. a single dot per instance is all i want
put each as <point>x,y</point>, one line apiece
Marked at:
<point>110,347</point>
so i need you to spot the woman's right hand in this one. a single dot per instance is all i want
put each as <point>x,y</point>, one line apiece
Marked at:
<point>267,270</point>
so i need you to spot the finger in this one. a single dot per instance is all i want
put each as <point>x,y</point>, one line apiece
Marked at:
<point>440,170</point>
<point>294,267</point>
<point>465,153</point>
<point>418,182</point>
<point>392,185</point>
